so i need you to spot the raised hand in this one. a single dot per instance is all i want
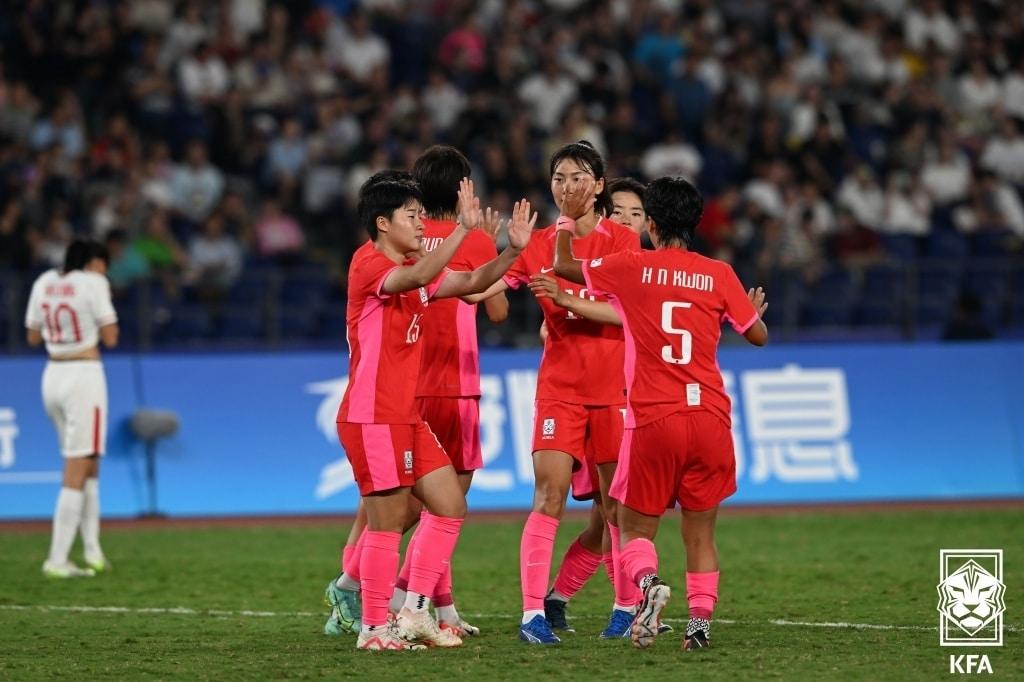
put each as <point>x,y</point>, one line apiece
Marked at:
<point>470,216</point>
<point>543,286</point>
<point>492,223</point>
<point>520,225</point>
<point>579,197</point>
<point>756,297</point>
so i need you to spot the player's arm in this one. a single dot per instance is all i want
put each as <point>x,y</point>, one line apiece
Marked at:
<point>33,321</point>
<point>34,337</point>
<point>595,311</point>
<point>757,334</point>
<point>489,275</point>
<point>109,334</point>
<point>496,307</point>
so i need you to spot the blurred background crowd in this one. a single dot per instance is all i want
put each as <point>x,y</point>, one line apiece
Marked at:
<point>863,160</point>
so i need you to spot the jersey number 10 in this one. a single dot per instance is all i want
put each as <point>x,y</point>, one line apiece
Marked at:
<point>685,338</point>
<point>52,319</point>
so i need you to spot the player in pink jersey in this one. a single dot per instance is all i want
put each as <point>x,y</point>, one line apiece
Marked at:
<point>678,445</point>
<point>392,451</point>
<point>70,310</point>
<point>580,394</point>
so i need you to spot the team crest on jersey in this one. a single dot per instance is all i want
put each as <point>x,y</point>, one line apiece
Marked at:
<point>596,263</point>
<point>548,428</point>
<point>423,295</point>
<point>408,461</point>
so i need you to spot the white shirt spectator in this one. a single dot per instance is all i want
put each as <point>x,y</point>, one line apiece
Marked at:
<point>215,259</point>
<point>196,191</point>
<point>443,102</point>
<point>1013,93</point>
<point>978,94</point>
<point>547,98</point>
<point>1005,157</point>
<point>906,212</point>
<point>765,194</point>
<point>671,158</point>
<point>863,197</point>
<point>920,28</point>
<point>947,179</point>
<point>359,55</point>
<point>203,79</point>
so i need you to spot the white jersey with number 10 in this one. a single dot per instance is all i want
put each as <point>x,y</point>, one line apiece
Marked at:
<point>69,309</point>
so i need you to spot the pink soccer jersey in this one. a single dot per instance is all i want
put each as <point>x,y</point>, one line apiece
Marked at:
<point>582,361</point>
<point>450,365</point>
<point>672,304</point>
<point>383,337</point>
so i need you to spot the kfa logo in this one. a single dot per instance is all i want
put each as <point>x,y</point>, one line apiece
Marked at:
<point>971,601</point>
<point>548,429</point>
<point>8,432</point>
<point>408,461</point>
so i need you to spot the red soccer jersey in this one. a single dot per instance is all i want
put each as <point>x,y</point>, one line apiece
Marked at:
<point>383,331</point>
<point>672,304</point>
<point>450,366</point>
<point>582,361</point>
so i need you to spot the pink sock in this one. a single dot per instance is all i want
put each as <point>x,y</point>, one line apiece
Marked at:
<point>352,558</point>
<point>443,591</point>
<point>377,566</point>
<point>608,559</point>
<point>535,550</point>
<point>702,593</point>
<point>626,591</point>
<point>639,559</point>
<point>578,565</point>
<point>432,554</point>
<point>403,575</point>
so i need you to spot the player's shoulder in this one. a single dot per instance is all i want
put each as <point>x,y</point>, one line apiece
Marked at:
<point>47,276</point>
<point>433,227</point>
<point>619,233</point>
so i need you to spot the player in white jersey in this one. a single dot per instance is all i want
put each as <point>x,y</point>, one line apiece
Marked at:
<point>71,312</point>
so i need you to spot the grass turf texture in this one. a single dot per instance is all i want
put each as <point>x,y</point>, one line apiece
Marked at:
<point>854,567</point>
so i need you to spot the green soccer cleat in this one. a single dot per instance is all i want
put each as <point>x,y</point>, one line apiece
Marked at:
<point>346,612</point>
<point>99,564</point>
<point>66,570</point>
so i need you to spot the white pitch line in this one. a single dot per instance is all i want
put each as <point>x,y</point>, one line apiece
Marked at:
<point>185,611</point>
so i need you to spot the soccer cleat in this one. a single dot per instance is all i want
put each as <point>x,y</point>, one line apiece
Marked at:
<point>346,611</point>
<point>538,631</point>
<point>554,612</point>
<point>99,564</point>
<point>664,628</point>
<point>618,625</point>
<point>66,570</point>
<point>648,617</point>
<point>421,627</point>
<point>462,628</point>
<point>698,634</point>
<point>387,640</point>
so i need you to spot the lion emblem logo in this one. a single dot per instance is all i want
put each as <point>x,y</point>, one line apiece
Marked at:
<point>971,597</point>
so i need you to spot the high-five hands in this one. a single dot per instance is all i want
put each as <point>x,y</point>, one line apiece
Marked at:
<point>756,297</point>
<point>520,226</point>
<point>470,215</point>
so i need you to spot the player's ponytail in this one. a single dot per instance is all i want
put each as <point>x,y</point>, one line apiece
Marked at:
<point>81,252</point>
<point>589,159</point>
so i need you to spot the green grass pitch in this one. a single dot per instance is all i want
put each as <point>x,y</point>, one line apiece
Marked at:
<point>182,594</point>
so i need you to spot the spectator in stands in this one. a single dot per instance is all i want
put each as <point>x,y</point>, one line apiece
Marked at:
<point>127,265</point>
<point>214,260</point>
<point>15,249</point>
<point>196,185</point>
<point>278,236</point>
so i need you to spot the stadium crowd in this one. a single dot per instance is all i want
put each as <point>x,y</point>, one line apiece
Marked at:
<point>217,147</point>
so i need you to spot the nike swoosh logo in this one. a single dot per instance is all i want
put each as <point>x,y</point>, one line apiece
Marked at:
<point>545,271</point>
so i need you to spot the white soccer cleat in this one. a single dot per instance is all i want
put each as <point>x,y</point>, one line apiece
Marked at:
<point>385,639</point>
<point>648,617</point>
<point>66,570</point>
<point>421,627</point>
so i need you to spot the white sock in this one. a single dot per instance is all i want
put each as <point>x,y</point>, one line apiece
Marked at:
<point>90,528</point>
<point>397,600</point>
<point>628,609</point>
<point>66,518</point>
<point>346,582</point>
<point>529,615</point>
<point>416,602</point>
<point>447,614</point>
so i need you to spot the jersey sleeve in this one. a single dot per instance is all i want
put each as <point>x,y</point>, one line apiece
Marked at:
<point>371,275</point>
<point>519,273</point>
<point>435,283</point>
<point>738,311</point>
<point>628,240</point>
<point>34,313</point>
<point>605,275</point>
<point>102,303</point>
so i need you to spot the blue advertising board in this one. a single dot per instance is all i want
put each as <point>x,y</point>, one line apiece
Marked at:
<point>810,424</point>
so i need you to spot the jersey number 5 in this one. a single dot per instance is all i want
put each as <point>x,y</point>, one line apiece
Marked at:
<point>686,339</point>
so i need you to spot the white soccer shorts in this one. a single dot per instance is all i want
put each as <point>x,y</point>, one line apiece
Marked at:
<point>75,398</point>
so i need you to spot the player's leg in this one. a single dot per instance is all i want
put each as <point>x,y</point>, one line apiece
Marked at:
<point>646,479</point>
<point>702,574</point>
<point>67,518</point>
<point>583,556</point>
<point>437,486</point>
<point>413,516</point>
<point>342,593</point>
<point>708,478</point>
<point>90,526</point>
<point>444,600</point>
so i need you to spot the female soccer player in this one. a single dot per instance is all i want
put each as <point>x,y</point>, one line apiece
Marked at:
<point>70,310</point>
<point>678,445</point>
<point>392,451</point>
